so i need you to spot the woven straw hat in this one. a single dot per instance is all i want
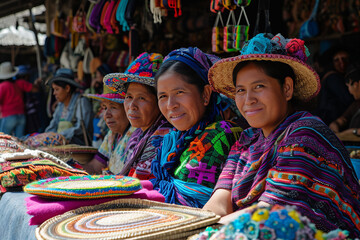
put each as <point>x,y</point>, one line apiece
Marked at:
<point>80,70</point>
<point>7,70</point>
<point>64,75</point>
<point>278,49</point>
<point>114,97</point>
<point>107,94</point>
<point>94,64</point>
<point>141,70</point>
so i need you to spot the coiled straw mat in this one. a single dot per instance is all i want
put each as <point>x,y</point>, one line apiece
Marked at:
<point>84,187</point>
<point>127,219</point>
<point>82,154</point>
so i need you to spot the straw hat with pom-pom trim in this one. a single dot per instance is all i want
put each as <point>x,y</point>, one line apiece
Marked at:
<point>141,70</point>
<point>107,94</point>
<point>278,49</point>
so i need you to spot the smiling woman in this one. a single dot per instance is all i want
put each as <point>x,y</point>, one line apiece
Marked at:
<point>191,158</point>
<point>287,157</point>
<point>137,85</point>
<point>112,151</point>
<point>255,84</point>
<point>139,103</point>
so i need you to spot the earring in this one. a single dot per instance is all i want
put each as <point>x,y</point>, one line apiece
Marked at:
<point>205,101</point>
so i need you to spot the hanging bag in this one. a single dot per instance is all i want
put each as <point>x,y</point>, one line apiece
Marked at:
<point>229,37</point>
<point>216,5</point>
<point>173,5</point>
<point>103,13</point>
<point>217,35</point>
<point>107,18</point>
<point>79,20</point>
<point>120,15</point>
<point>229,4</point>
<point>241,32</point>
<point>156,11</point>
<point>263,7</point>
<point>87,20</point>
<point>310,27</point>
<point>242,3</point>
<point>114,23</point>
<point>95,15</point>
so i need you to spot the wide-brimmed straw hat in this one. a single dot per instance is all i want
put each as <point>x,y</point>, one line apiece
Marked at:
<point>278,49</point>
<point>64,75</point>
<point>141,70</point>
<point>7,70</point>
<point>114,97</point>
<point>107,94</point>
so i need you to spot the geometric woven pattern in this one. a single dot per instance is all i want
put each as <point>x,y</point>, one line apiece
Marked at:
<point>84,187</point>
<point>126,219</point>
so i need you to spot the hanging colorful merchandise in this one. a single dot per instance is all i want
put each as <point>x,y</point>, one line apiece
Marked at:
<point>310,27</point>
<point>217,36</point>
<point>173,5</point>
<point>95,15</point>
<point>79,20</point>
<point>216,6</point>
<point>241,32</point>
<point>229,36</point>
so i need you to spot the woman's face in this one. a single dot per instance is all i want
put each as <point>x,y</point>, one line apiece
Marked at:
<point>115,116</point>
<point>140,106</point>
<point>341,61</point>
<point>97,80</point>
<point>61,94</point>
<point>261,99</point>
<point>180,102</point>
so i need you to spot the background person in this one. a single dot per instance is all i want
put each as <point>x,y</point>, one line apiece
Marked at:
<point>97,87</point>
<point>287,157</point>
<point>349,122</point>
<point>71,110</point>
<point>12,107</point>
<point>334,97</point>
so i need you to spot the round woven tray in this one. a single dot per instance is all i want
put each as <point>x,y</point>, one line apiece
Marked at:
<point>82,154</point>
<point>84,187</point>
<point>127,219</point>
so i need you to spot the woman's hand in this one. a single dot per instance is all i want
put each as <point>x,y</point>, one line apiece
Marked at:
<point>231,217</point>
<point>334,127</point>
<point>220,202</point>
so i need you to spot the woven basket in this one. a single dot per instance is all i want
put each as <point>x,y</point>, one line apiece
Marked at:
<point>127,219</point>
<point>82,154</point>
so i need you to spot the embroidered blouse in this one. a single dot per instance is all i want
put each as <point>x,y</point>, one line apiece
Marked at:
<point>191,181</point>
<point>301,163</point>
<point>112,151</point>
<point>73,134</point>
<point>142,149</point>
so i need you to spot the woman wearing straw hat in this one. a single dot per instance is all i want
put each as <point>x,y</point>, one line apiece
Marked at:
<point>12,107</point>
<point>73,115</point>
<point>112,150</point>
<point>191,158</point>
<point>138,85</point>
<point>287,157</point>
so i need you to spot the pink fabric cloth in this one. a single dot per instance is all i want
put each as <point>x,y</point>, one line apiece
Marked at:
<point>42,208</point>
<point>11,97</point>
